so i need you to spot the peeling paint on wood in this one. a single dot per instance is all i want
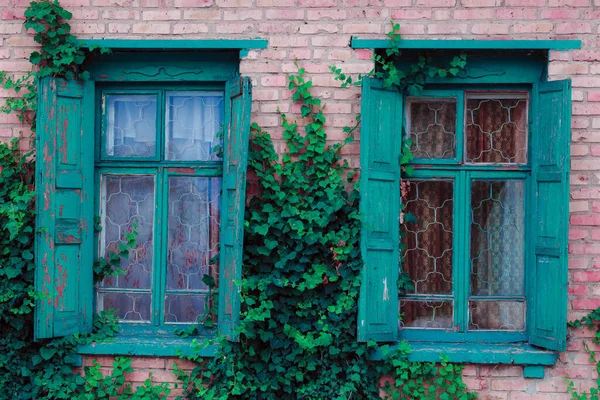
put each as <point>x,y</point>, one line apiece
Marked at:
<point>64,256</point>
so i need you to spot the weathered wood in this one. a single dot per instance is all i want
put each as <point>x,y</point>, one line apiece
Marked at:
<point>237,113</point>
<point>547,311</point>
<point>65,181</point>
<point>467,44</point>
<point>381,136</point>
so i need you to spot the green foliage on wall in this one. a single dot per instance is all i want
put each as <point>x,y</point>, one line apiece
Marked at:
<point>592,322</point>
<point>302,268</point>
<point>59,54</point>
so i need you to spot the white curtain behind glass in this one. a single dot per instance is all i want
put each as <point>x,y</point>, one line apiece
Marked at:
<point>193,120</point>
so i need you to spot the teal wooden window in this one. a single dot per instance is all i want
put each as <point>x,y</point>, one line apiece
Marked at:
<point>486,255</point>
<point>167,159</point>
<point>159,172</point>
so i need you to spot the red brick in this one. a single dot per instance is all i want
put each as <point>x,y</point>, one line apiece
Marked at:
<point>362,28</point>
<point>148,362</point>
<point>516,13</point>
<point>234,3</point>
<point>525,3</point>
<point>119,28</point>
<point>317,3</point>
<point>534,27</point>
<point>578,290</point>
<point>189,28</point>
<point>193,3</point>
<point>313,15</point>
<point>508,384</point>
<point>236,28</point>
<point>569,3</point>
<point>15,14</point>
<point>558,13</point>
<point>153,28</point>
<point>411,14</point>
<point>436,3</point>
<point>585,304</point>
<point>242,15</point>
<point>120,14</point>
<point>285,14</point>
<point>586,109</point>
<point>574,27</point>
<point>161,15</point>
<point>330,41</point>
<point>286,41</point>
<point>483,13</point>
<point>585,220</point>
<point>447,28</point>
<point>490,29</point>
<point>275,3</point>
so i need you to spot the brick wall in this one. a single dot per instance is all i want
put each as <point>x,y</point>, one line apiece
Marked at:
<point>317,33</point>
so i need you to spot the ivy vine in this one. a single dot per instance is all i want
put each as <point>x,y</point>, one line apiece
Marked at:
<point>302,269</point>
<point>301,273</point>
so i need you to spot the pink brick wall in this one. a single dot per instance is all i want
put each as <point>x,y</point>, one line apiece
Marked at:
<point>317,33</point>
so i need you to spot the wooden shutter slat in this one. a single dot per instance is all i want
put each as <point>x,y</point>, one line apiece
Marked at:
<point>64,184</point>
<point>381,140</point>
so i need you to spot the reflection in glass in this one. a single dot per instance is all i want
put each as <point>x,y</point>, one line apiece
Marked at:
<point>497,315</point>
<point>130,307</point>
<point>496,128</point>
<point>127,202</point>
<point>497,238</point>
<point>428,240</point>
<point>426,314</point>
<point>193,120</point>
<point>193,240</point>
<point>185,308</point>
<point>130,125</point>
<point>431,124</point>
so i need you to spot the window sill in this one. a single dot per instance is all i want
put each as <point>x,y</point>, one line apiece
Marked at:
<point>155,346</point>
<point>477,353</point>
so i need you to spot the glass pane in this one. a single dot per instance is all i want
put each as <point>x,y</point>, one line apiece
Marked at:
<point>194,206</point>
<point>428,240</point>
<point>497,238</point>
<point>426,314</point>
<point>496,128</point>
<point>497,315</point>
<point>186,308</point>
<point>193,120</point>
<point>431,124</point>
<point>127,202</point>
<point>128,306</point>
<point>131,125</point>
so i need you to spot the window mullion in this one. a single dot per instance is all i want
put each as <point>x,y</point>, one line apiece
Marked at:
<point>160,249</point>
<point>460,126</point>
<point>160,128</point>
<point>460,261</point>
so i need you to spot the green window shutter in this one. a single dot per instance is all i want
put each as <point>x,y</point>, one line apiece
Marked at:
<point>235,153</point>
<point>65,221</point>
<point>381,140</point>
<point>550,215</point>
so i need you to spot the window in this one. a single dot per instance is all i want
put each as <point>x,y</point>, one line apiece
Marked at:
<point>139,145</point>
<point>159,173</point>
<point>465,250</point>
<point>479,245</point>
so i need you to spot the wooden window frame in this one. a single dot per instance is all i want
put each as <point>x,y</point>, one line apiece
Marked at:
<point>522,71</point>
<point>161,168</point>
<point>191,63</point>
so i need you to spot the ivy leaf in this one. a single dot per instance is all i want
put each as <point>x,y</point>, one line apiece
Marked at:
<point>47,353</point>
